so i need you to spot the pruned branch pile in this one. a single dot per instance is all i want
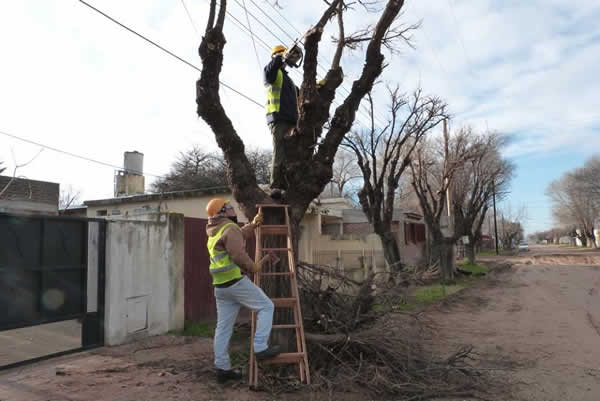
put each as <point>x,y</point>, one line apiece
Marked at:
<point>353,347</point>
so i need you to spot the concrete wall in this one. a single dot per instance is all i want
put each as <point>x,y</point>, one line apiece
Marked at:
<point>190,207</point>
<point>144,277</point>
<point>27,207</point>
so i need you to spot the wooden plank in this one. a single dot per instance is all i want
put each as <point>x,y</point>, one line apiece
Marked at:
<point>277,274</point>
<point>289,357</point>
<point>274,229</point>
<point>286,326</point>
<point>284,302</point>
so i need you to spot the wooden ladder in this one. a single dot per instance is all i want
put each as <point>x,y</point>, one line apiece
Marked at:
<point>299,357</point>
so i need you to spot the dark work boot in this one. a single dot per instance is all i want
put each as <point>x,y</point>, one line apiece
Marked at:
<point>226,375</point>
<point>269,353</point>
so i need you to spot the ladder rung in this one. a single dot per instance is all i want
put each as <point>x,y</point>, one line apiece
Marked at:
<point>276,249</point>
<point>271,205</point>
<point>286,326</point>
<point>277,274</point>
<point>274,229</point>
<point>289,357</point>
<point>284,302</point>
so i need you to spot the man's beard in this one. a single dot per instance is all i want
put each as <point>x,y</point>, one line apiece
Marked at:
<point>234,219</point>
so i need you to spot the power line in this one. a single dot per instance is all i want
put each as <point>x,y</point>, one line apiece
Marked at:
<point>169,52</point>
<point>190,17</point>
<point>64,152</point>
<point>362,109</point>
<point>458,32</point>
<point>252,36</point>
<point>273,21</point>
<point>261,23</point>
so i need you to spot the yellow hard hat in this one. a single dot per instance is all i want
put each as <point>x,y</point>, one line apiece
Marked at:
<point>214,206</point>
<point>278,49</point>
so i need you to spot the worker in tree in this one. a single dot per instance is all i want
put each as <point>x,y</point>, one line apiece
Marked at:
<point>228,262</point>
<point>282,109</point>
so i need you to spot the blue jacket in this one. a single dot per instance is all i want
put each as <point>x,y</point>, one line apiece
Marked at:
<point>289,93</point>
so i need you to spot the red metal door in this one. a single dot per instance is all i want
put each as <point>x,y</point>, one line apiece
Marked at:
<point>199,296</point>
<point>199,293</point>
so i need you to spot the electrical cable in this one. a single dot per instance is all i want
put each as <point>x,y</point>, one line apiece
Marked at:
<point>70,153</point>
<point>252,36</point>
<point>168,52</point>
<point>190,17</point>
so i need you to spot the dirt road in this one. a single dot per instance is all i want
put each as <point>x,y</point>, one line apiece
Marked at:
<point>538,323</point>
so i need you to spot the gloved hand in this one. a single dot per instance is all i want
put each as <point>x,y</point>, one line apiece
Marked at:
<point>321,83</point>
<point>257,266</point>
<point>258,219</point>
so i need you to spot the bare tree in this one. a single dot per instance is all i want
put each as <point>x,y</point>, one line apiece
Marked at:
<point>69,197</point>
<point>433,169</point>
<point>309,166</point>
<point>474,186</point>
<point>588,178</point>
<point>573,205</point>
<point>196,168</point>
<point>345,170</point>
<point>383,155</point>
<point>17,167</point>
<point>510,229</point>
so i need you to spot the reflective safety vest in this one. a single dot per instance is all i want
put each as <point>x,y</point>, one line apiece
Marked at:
<point>274,94</point>
<point>222,268</point>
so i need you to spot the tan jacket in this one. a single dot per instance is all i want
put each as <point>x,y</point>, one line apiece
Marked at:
<point>232,241</point>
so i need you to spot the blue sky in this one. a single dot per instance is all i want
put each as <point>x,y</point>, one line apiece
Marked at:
<point>71,79</point>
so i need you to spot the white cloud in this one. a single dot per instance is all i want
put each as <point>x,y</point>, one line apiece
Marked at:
<point>74,80</point>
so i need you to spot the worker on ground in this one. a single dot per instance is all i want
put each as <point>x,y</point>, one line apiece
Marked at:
<point>228,261</point>
<point>282,110</point>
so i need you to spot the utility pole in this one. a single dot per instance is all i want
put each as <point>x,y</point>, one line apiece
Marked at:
<point>448,191</point>
<point>495,221</point>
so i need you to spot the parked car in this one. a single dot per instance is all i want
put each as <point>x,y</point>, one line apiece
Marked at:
<point>523,246</point>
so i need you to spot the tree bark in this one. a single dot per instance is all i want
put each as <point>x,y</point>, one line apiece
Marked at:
<point>470,251</point>
<point>447,259</point>
<point>391,251</point>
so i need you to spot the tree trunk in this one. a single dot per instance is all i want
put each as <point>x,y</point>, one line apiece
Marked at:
<point>447,259</point>
<point>391,251</point>
<point>591,240</point>
<point>470,251</point>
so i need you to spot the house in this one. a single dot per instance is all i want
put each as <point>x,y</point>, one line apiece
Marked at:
<point>333,231</point>
<point>23,196</point>
<point>75,210</point>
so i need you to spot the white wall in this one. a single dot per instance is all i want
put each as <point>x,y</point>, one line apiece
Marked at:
<point>144,278</point>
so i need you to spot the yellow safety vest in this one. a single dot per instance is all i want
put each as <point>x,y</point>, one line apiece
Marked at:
<point>274,94</point>
<point>222,268</point>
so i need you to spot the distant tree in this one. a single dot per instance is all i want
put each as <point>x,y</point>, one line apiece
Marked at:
<point>588,178</point>
<point>474,185</point>
<point>68,198</point>
<point>573,205</point>
<point>345,170</point>
<point>383,155</point>
<point>510,229</point>
<point>17,167</point>
<point>433,168</point>
<point>196,169</point>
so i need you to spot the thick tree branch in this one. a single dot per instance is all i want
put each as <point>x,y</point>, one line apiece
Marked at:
<point>345,114</point>
<point>335,64</point>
